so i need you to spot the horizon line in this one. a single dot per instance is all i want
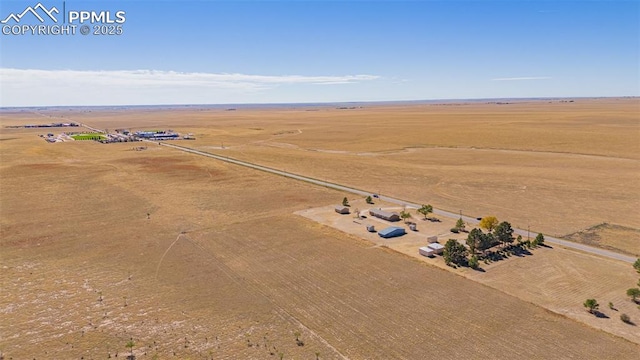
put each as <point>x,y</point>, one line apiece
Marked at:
<point>324,103</point>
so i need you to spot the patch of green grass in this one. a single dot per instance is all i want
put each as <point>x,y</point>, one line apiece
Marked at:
<point>89,136</point>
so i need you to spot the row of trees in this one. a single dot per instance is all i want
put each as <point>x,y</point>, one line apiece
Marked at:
<point>502,234</point>
<point>479,242</point>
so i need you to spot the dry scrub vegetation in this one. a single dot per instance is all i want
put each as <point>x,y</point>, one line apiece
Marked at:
<point>222,269</point>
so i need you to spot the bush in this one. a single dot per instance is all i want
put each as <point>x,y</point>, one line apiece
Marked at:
<point>634,293</point>
<point>625,318</point>
<point>455,230</point>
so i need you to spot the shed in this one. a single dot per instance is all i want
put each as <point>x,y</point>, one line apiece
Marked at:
<point>426,251</point>
<point>342,209</point>
<point>385,215</point>
<point>437,248</point>
<point>371,228</point>
<point>432,239</point>
<point>413,227</point>
<point>391,231</point>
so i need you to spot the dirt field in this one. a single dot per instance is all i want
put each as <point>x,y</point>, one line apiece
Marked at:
<point>222,268</point>
<point>558,167</point>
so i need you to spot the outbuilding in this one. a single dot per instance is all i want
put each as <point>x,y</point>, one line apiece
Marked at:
<point>342,209</point>
<point>385,215</point>
<point>391,231</point>
<point>437,248</point>
<point>432,239</point>
<point>426,251</point>
<point>371,228</point>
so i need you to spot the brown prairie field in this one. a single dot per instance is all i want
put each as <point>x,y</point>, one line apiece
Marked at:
<point>224,269</point>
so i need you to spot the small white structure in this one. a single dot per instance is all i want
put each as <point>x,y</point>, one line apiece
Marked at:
<point>371,228</point>
<point>413,227</point>
<point>426,251</point>
<point>437,248</point>
<point>432,239</point>
<point>342,209</point>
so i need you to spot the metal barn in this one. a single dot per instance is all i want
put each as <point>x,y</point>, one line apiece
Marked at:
<point>391,231</point>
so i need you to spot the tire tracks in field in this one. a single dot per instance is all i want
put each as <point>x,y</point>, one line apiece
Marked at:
<point>251,288</point>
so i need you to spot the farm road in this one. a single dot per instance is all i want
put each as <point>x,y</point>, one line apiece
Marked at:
<point>467,219</point>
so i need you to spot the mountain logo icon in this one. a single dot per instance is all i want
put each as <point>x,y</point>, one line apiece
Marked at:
<point>34,11</point>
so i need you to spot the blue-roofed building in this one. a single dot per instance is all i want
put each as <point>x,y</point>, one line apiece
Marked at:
<point>391,231</point>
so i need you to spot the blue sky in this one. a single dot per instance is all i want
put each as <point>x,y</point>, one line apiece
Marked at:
<point>197,52</point>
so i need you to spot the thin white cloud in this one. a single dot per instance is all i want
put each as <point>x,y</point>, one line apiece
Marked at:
<point>172,78</point>
<point>33,87</point>
<point>522,78</point>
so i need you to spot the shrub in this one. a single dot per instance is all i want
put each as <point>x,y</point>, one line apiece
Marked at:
<point>625,318</point>
<point>455,230</point>
<point>634,293</point>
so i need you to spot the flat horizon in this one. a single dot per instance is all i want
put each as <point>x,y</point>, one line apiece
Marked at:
<point>324,104</point>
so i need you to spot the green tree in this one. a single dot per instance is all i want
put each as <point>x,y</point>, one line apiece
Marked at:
<point>474,239</point>
<point>460,224</point>
<point>405,215</point>
<point>473,262</point>
<point>504,233</point>
<point>486,241</point>
<point>425,210</point>
<point>369,200</point>
<point>592,305</point>
<point>455,253</point>
<point>636,265</point>
<point>345,201</point>
<point>634,293</point>
<point>489,223</point>
<point>540,239</point>
<point>130,345</point>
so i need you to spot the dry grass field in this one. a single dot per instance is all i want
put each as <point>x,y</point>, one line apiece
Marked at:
<point>223,269</point>
<point>559,167</point>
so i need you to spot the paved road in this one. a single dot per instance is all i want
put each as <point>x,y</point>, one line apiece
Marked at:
<point>467,219</point>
